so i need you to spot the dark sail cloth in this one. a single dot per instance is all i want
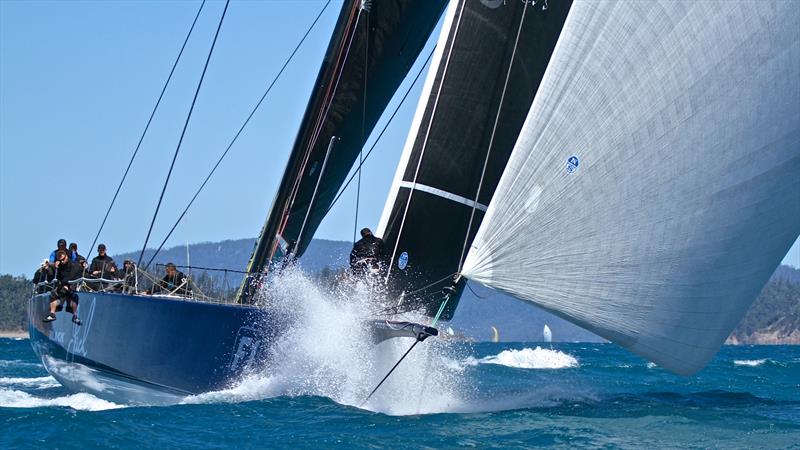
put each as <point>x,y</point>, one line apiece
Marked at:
<point>103,264</point>
<point>169,283</point>
<point>367,255</point>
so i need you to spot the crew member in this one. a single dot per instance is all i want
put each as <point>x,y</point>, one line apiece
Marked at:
<point>103,265</point>
<point>128,276</point>
<point>174,282</point>
<point>367,255</point>
<point>75,256</point>
<point>61,245</point>
<point>43,274</point>
<point>63,293</point>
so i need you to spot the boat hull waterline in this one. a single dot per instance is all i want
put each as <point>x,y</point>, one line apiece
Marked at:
<point>152,350</point>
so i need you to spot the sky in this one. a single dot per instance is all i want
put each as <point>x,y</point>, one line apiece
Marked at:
<point>78,81</point>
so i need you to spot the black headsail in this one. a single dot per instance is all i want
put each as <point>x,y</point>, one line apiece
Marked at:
<point>473,106</point>
<point>373,46</point>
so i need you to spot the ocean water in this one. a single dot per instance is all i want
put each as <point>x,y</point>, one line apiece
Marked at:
<point>446,395</point>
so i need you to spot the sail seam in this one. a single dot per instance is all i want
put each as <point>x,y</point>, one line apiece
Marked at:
<point>441,193</point>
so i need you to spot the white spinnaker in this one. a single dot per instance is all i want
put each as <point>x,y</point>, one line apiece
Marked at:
<point>685,118</point>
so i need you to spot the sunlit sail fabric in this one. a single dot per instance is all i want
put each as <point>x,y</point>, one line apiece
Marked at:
<point>656,183</point>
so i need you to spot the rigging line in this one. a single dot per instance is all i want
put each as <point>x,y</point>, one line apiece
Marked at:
<point>363,126</point>
<point>146,127</point>
<point>425,140</point>
<point>341,62</point>
<point>183,133</point>
<point>491,139</point>
<point>316,132</point>
<point>235,137</point>
<point>385,126</point>
<point>417,341</point>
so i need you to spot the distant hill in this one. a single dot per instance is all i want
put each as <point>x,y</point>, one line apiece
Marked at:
<point>773,318</point>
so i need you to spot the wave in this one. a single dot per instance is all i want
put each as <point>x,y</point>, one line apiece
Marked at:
<point>84,402</point>
<point>17,363</point>
<point>531,358</point>
<point>749,362</point>
<point>35,383</point>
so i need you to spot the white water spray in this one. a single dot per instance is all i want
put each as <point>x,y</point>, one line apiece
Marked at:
<point>325,349</point>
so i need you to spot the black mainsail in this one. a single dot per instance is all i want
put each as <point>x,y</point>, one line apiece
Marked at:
<point>372,48</point>
<point>489,62</point>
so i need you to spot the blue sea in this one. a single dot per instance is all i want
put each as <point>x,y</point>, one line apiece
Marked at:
<point>485,395</point>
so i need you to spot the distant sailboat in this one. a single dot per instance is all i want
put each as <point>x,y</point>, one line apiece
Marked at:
<point>548,335</point>
<point>495,334</point>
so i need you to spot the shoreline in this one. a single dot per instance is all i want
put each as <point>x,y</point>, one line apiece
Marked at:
<point>13,334</point>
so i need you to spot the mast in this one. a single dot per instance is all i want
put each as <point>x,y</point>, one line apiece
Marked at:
<point>486,71</point>
<point>340,106</point>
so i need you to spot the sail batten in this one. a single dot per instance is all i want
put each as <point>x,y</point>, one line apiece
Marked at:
<point>656,183</point>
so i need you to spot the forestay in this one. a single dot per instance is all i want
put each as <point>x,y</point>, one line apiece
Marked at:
<point>656,183</point>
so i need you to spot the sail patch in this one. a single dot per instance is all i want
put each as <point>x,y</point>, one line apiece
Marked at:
<point>572,164</point>
<point>402,261</point>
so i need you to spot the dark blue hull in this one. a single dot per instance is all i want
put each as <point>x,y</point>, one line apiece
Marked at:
<point>149,350</point>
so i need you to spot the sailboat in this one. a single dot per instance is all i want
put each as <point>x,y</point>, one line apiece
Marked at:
<point>632,167</point>
<point>547,334</point>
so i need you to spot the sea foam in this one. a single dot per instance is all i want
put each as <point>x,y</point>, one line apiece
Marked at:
<point>531,358</point>
<point>749,362</point>
<point>35,383</point>
<point>10,398</point>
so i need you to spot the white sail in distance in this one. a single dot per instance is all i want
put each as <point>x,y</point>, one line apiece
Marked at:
<point>656,183</point>
<point>547,334</point>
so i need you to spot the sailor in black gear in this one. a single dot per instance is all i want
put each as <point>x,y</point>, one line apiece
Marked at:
<point>103,265</point>
<point>128,276</point>
<point>65,271</point>
<point>173,282</point>
<point>367,256</point>
<point>44,274</point>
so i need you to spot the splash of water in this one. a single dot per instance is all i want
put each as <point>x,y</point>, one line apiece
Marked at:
<point>325,349</point>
